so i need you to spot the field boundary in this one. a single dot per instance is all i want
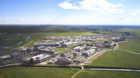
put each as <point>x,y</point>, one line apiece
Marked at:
<point>129,52</point>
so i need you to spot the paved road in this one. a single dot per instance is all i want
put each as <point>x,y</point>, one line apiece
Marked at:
<point>82,68</point>
<point>97,54</point>
<point>113,69</point>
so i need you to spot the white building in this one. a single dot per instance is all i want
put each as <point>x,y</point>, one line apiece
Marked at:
<point>39,58</point>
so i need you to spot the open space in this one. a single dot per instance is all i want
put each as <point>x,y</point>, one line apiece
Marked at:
<point>120,58</point>
<point>37,72</point>
<point>107,74</point>
<point>131,46</point>
<point>117,59</point>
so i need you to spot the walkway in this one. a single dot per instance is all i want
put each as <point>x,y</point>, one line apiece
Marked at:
<point>82,68</point>
<point>129,52</point>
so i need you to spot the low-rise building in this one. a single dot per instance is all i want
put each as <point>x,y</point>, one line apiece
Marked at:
<point>46,44</point>
<point>79,59</point>
<point>5,57</point>
<point>79,48</point>
<point>63,61</point>
<point>38,58</point>
<point>68,44</point>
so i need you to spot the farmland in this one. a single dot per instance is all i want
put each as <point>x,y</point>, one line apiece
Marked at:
<point>131,46</point>
<point>114,58</point>
<point>11,36</point>
<point>117,59</point>
<point>37,73</point>
<point>107,74</point>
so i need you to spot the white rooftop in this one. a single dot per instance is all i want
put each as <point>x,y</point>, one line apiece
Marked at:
<point>41,56</point>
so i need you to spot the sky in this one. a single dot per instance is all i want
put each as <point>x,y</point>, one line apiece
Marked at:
<point>70,12</point>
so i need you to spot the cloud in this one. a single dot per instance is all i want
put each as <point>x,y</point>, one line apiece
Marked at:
<point>93,5</point>
<point>26,21</point>
<point>68,5</point>
<point>136,12</point>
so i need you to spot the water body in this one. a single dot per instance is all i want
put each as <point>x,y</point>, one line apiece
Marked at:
<point>20,42</point>
<point>27,38</point>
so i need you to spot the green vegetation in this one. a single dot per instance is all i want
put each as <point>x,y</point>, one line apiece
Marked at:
<point>114,33</point>
<point>37,34</point>
<point>107,74</point>
<point>117,59</point>
<point>36,37</point>
<point>136,31</point>
<point>71,34</point>
<point>66,49</point>
<point>10,40</point>
<point>131,46</point>
<point>62,50</point>
<point>37,73</point>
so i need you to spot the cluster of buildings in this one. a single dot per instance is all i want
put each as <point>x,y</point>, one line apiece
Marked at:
<point>77,55</point>
<point>42,52</point>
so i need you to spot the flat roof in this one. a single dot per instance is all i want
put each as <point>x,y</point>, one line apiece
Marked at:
<point>41,56</point>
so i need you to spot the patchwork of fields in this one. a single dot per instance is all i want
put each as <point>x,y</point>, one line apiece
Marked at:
<point>10,40</point>
<point>115,58</point>
<point>120,58</point>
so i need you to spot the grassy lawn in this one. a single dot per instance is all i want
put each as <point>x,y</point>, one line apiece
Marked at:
<point>37,73</point>
<point>36,37</point>
<point>63,50</point>
<point>12,39</point>
<point>136,31</point>
<point>117,59</point>
<point>107,74</point>
<point>71,34</point>
<point>131,46</point>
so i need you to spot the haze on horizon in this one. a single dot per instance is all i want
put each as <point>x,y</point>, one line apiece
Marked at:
<point>83,12</point>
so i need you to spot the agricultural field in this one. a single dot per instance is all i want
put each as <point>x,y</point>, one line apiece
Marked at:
<point>37,73</point>
<point>120,58</point>
<point>133,46</point>
<point>107,74</point>
<point>37,37</point>
<point>117,59</point>
<point>136,31</point>
<point>11,36</point>
<point>66,49</point>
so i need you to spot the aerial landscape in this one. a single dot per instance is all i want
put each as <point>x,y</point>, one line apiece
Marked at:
<point>69,39</point>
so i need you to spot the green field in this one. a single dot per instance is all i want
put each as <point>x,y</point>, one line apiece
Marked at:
<point>62,50</point>
<point>131,46</point>
<point>8,34</point>
<point>120,58</point>
<point>107,74</point>
<point>11,39</point>
<point>37,72</point>
<point>109,59</point>
<point>136,31</point>
<point>117,59</point>
<point>66,49</point>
